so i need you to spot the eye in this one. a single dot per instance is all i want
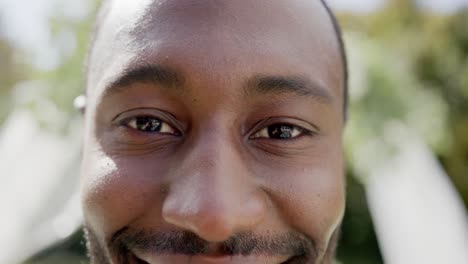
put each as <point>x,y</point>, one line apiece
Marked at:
<point>280,131</point>
<point>150,124</point>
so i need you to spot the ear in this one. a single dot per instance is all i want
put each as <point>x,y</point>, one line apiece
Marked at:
<point>80,103</point>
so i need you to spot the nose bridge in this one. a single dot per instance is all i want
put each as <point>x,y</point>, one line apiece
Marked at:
<point>212,150</point>
<point>212,155</point>
<point>213,194</point>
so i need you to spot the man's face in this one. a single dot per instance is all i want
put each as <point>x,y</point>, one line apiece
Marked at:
<point>213,133</point>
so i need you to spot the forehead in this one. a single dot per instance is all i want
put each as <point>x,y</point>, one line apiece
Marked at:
<point>217,37</point>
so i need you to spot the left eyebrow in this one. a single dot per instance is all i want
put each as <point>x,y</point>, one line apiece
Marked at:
<point>264,84</point>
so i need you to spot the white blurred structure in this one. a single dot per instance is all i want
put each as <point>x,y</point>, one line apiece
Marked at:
<point>418,215</point>
<point>39,194</point>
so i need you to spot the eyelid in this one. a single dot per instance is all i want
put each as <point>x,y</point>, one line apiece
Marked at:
<point>300,130</point>
<point>162,115</point>
<point>306,127</point>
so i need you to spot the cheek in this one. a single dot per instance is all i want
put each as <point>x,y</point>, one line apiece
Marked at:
<point>311,200</point>
<point>117,191</point>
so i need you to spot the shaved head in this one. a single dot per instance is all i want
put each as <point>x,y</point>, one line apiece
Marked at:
<point>214,132</point>
<point>106,5</point>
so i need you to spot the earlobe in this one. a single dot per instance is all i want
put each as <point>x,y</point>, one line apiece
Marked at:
<point>80,103</point>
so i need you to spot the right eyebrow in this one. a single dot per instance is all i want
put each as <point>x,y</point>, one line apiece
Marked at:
<point>298,85</point>
<point>152,74</point>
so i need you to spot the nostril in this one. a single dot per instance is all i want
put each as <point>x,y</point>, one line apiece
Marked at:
<point>142,261</point>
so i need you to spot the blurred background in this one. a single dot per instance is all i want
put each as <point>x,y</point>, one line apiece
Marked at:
<point>406,138</point>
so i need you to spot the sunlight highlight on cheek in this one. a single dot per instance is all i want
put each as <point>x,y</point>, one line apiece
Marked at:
<point>101,192</point>
<point>97,170</point>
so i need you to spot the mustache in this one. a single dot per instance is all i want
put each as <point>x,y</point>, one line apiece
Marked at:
<point>187,243</point>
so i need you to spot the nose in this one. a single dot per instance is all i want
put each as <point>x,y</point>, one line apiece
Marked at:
<point>214,196</point>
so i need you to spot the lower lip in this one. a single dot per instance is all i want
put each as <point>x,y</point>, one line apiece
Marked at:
<point>225,259</point>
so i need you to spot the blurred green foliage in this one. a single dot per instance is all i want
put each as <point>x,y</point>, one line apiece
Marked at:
<point>70,251</point>
<point>416,72</point>
<point>409,65</point>
<point>10,74</point>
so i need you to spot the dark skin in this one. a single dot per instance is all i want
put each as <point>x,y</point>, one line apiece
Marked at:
<point>214,133</point>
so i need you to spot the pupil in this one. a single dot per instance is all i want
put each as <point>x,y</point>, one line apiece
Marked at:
<point>148,124</point>
<point>280,131</point>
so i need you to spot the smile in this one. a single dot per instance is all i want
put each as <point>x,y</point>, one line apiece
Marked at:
<point>209,259</point>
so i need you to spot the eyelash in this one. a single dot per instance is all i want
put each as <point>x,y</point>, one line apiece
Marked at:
<point>153,123</point>
<point>284,131</point>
